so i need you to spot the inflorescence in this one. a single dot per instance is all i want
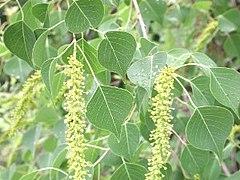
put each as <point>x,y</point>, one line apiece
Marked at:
<point>31,88</point>
<point>75,119</point>
<point>161,115</point>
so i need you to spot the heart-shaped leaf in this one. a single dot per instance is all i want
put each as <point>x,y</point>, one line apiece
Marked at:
<point>209,127</point>
<point>84,14</point>
<point>116,51</point>
<point>109,107</point>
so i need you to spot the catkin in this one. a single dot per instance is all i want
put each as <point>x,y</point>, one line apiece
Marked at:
<point>206,36</point>
<point>75,119</point>
<point>161,116</point>
<point>31,88</point>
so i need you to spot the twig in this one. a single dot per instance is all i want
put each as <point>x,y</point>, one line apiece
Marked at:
<point>184,89</point>
<point>225,169</point>
<point>4,3</point>
<point>140,19</point>
<point>130,115</point>
<point>180,139</point>
<point>101,158</point>
<point>96,147</point>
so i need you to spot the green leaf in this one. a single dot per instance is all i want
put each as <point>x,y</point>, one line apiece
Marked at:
<point>128,143</point>
<point>201,91</point>
<point>129,171</point>
<point>147,47</point>
<point>209,127</point>
<point>30,138</point>
<point>50,143</point>
<point>48,71</point>
<point>144,72</point>
<point>86,53</point>
<point>232,45</point>
<point>58,157</point>
<point>194,160</point>
<point>22,43</point>
<point>57,83</point>
<point>177,57</point>
<point>229,21</point>
<point>84,14</point>
<point>47,115</point>
<point>40,50</point>
<point>91,153</point>
<point>109,107</point>
<point>202,5</point>
<point>18,68</point>
<point>212,170</point>
<point>201,58</point>
<point>153,10</point>
<point>111,2</point>
<point>37,174</point>
<point>40,11</point>
<point>235,176</point>
<point>29,19</point>
<point>116,51</point>
<point>91,54</point>
<point>225,87</point>
<point>142,99</point>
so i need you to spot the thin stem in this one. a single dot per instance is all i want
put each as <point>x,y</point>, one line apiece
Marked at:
<point>181,101</point>
<point>185,79</point>
<point>101,158</point>
<point>130,13</point>
<point>92,72</point>
<point>96,147</point>
<point>184,89</point>
<point>74,46</point>
<point>60,22</point>
<point>19,5</point>
<point>100,139</point>
<point>180,139</point>
<point>65,50</point>
<point>98,31</point>
<point>225,169</point>
<point>194,64</point>
<point>4,3</point>
<point>140,19</point>
<point>4,53</point>
<point>130,115</point>
<point>99,171</point>
<point>53,168</point>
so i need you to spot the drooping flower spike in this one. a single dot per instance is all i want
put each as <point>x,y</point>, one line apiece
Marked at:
<point>161,116</point>
<point>75,119</point>
<point>31,88</point>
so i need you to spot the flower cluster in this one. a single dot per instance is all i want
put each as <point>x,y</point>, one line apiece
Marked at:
<point>161,115</point>
<point>207,35</point>
<point>75,118</point>
<point>31,88</point>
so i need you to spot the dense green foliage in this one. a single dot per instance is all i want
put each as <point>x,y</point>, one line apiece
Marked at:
<point>120,89</point>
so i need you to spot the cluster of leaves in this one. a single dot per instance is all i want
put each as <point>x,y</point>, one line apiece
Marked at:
<point>120,70</point>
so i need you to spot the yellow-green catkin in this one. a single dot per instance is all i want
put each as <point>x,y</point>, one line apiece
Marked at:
<point>75,119</point>
<point>207,35</point>
<point>161,115</point>
<point>31,88</point>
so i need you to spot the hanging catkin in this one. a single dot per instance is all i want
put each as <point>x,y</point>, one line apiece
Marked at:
<point>31,88</point>
<point>207,35</point>
<point>161,116</point>
<point>75,119</point>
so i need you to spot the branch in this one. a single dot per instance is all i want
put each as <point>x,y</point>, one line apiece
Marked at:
<point>101,158</point>
<point>140,19</point>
